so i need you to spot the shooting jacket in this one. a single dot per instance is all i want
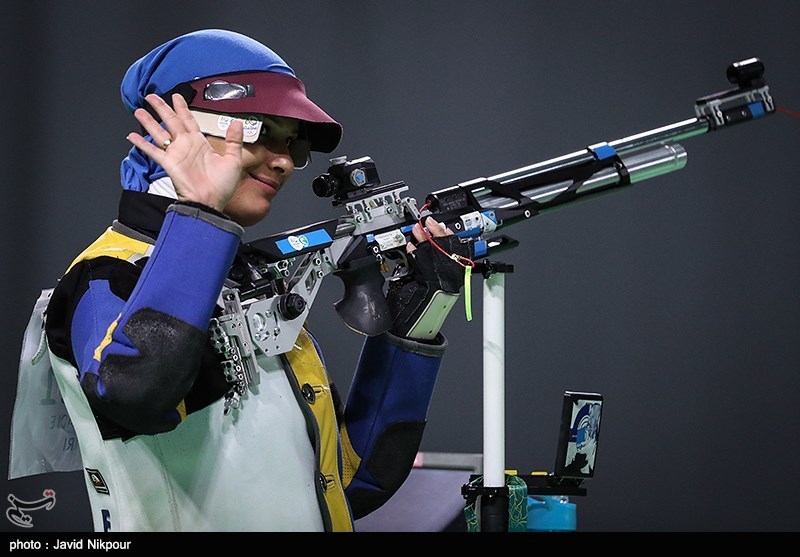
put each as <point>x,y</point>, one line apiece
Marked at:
<point>127,333</point>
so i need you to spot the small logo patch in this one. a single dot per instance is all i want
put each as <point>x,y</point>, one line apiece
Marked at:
<point>97,480</point>
<point>298,242</point>
<point>358,177</point>
<point>251,125</point>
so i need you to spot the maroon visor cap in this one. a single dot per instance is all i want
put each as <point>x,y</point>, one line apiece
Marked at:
<point>270,93</point>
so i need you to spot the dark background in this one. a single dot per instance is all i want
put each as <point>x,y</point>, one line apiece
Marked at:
<point>676,299</point>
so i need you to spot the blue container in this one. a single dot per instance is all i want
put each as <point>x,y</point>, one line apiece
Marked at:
<point>551,513</point>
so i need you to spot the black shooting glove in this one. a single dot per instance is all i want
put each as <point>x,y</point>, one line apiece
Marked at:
<point>421,298</point>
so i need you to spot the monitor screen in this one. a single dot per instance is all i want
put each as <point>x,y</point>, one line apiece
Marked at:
<point>579,435</point>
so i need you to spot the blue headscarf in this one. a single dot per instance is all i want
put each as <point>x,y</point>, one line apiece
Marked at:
<point>199,54</point>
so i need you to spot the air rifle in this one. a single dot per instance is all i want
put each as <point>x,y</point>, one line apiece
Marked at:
<point>275,279</point>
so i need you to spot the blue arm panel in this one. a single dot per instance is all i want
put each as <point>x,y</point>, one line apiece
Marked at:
<point>154,352</point>
<point>392,384</point>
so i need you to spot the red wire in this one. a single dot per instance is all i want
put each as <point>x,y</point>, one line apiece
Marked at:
<point>789,112</point>
<point>455,257</point>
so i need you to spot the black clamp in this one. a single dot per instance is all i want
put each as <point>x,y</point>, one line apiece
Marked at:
<point>486,267</point>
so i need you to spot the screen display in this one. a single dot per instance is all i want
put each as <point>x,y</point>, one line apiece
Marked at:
<point>579,435</point>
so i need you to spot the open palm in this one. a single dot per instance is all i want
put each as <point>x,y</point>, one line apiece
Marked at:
<point>198,172</point>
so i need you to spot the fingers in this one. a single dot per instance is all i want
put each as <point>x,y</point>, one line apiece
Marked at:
<point>234,136</point>
<point>147,148</point>
<point>182,110</point>
<point>418,233</point>
<point>152,127</point>
<point>167,115</point>
<point>176,120</point>
<point>433,228</point>
<point>436,228</point>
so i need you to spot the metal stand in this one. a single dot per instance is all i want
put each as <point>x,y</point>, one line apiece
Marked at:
<point>493,494</point>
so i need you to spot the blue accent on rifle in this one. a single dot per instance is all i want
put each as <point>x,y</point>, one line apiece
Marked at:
<point>308,240</point>
<point>756,109</point>
<point>480,248</point>
<point>471,233</point>
<point>603,151</point>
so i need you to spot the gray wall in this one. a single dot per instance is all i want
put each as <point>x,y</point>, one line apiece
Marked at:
<point>677,299</point>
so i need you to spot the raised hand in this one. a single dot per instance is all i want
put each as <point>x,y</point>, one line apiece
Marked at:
<point>199,173</point>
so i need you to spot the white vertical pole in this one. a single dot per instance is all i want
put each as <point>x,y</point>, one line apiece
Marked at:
<point>494,434</point>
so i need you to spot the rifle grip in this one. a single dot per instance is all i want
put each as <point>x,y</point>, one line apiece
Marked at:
<point>363,306</point>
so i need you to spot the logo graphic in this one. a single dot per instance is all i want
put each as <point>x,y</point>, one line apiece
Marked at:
<point>298,242</point>
<point>223,121</point>
<point>100,485</point>
<point>251,125</point>
<point>358,177</point>
<point>16,512</point>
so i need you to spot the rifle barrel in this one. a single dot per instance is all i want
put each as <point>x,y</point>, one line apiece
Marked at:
<point>641,164</point>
